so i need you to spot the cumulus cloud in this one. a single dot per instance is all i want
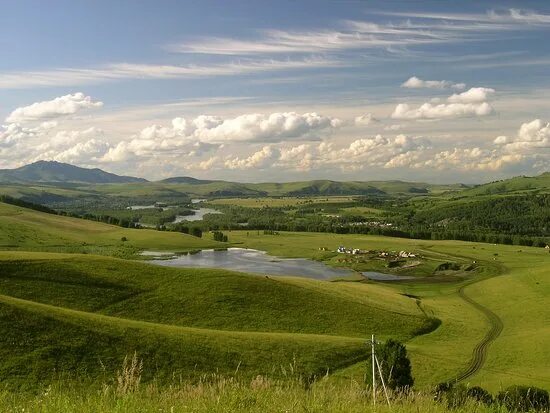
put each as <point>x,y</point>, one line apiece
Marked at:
<point>471,159</point>
<point>267,128</point>
<point>48,109</point>
<point>417,83</point>
<point>466,104</point>
<point>473,95</point>
<point>532,136</point>
<point>365,120</point>
<point>205,133</point>
<point>258,160</point>
<point>441,111</point>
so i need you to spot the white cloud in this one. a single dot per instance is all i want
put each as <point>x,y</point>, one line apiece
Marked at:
<point>466,104</point>
<point>87,152</point>
<point>473,95</point>
<point>118,71</point>
<point>441,111</point>
<point>472,159</point>
<point>58,107</point>
<point>532,137</point>
<point>501,140</point>
<point>365,120</point>
<point>417,83</point>
<point>262,159</point>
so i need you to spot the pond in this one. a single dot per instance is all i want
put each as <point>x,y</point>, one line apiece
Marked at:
<point>254,261</point>
<point>197,216</point>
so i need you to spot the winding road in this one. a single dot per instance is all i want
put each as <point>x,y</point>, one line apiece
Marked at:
<point>479,354</point>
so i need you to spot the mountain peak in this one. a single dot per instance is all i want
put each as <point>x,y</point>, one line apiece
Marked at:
<point>53,171</point>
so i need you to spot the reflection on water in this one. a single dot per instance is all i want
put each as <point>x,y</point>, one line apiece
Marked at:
<point>197,216</point>
<point>254,261</point>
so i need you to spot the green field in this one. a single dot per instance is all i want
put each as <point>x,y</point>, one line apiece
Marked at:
<point>279,202</point>
<point>514,282</point>
<point>23,229</point>
<point>78,315</point>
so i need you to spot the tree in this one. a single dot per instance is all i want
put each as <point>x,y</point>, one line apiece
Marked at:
<point>395,365</point>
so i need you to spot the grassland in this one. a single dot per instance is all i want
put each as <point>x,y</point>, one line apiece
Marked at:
<point>76,314</point>
<point>71,313</point>
<point>512,281</point>
<point>279,202</point>
<point>23,229</point>
<point>228,395</point>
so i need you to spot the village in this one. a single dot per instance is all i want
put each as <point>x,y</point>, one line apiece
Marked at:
<point>381,254</point>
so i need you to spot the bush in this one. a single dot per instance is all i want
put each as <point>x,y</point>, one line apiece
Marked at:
<point>456,396</point>
<point>480,394</point>
<point>524,399</point>
<point>124,239</point>
<point>395,365</point>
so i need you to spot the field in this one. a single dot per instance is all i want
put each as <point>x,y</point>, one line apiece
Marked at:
<point>23,229</point>
<point>514,284</point>
<point>279,202</point>
<point>68,313</point>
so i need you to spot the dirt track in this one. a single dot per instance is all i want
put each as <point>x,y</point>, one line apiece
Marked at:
<point>479,354</point>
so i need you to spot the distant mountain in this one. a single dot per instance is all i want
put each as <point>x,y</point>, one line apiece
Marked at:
<point>186,180</point>
<point>55,172</point>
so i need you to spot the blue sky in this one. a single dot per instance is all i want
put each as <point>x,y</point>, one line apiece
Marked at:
<point>261,90</point>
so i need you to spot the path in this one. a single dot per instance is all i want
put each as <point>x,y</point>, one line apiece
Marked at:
<point>480,351</point>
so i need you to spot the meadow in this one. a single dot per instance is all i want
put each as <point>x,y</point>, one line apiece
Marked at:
<point>77,315</point>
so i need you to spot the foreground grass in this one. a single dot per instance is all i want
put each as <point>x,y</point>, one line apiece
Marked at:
<point>225,395</point>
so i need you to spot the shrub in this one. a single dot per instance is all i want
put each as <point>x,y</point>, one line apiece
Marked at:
<point>480,394</point>
<point>524,398</point>
<point>395,365</point>
<point>456,396</point>
<point>124,239</point>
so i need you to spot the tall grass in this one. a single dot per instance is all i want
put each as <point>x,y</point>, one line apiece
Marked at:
<point>126,393</point>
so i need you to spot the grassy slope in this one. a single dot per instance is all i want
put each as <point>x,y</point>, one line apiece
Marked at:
<point>517,185</point>
<point>64,312</point>
<point>24,229</point>
<point>519,297</point>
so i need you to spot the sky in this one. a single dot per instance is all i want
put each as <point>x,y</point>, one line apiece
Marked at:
<point>251,91</point>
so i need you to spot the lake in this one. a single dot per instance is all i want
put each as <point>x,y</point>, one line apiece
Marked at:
<point>254,261</point>
<point>198,216</point>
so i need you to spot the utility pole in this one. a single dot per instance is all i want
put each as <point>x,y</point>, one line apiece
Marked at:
<point>373,370</point>
<point>375,364</point>
<point>382,380</point>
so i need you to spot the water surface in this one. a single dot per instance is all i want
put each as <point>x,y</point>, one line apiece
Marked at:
<point>197,216</point>
<point>254,261</point>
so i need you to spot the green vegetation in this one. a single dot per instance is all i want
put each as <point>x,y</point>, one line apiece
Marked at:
<point>24,229</point>
<point>82,314</point>
<point>473,312</point>
<point>124,393</point>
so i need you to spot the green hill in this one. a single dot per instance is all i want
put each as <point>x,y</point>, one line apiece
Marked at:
<point>51,171</point>
<point>24,229</point>
<point>75,314</point>
<point>79,315</point>
<point>517,185</point>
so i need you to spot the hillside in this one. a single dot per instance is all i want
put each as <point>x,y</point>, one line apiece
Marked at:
<point>24,229</point>
<point>75,310</point>
<point>51,171</point>
<point>518,185</point>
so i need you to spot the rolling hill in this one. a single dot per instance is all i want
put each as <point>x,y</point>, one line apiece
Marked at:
<point>51,171</point>
<point>79,315</point>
